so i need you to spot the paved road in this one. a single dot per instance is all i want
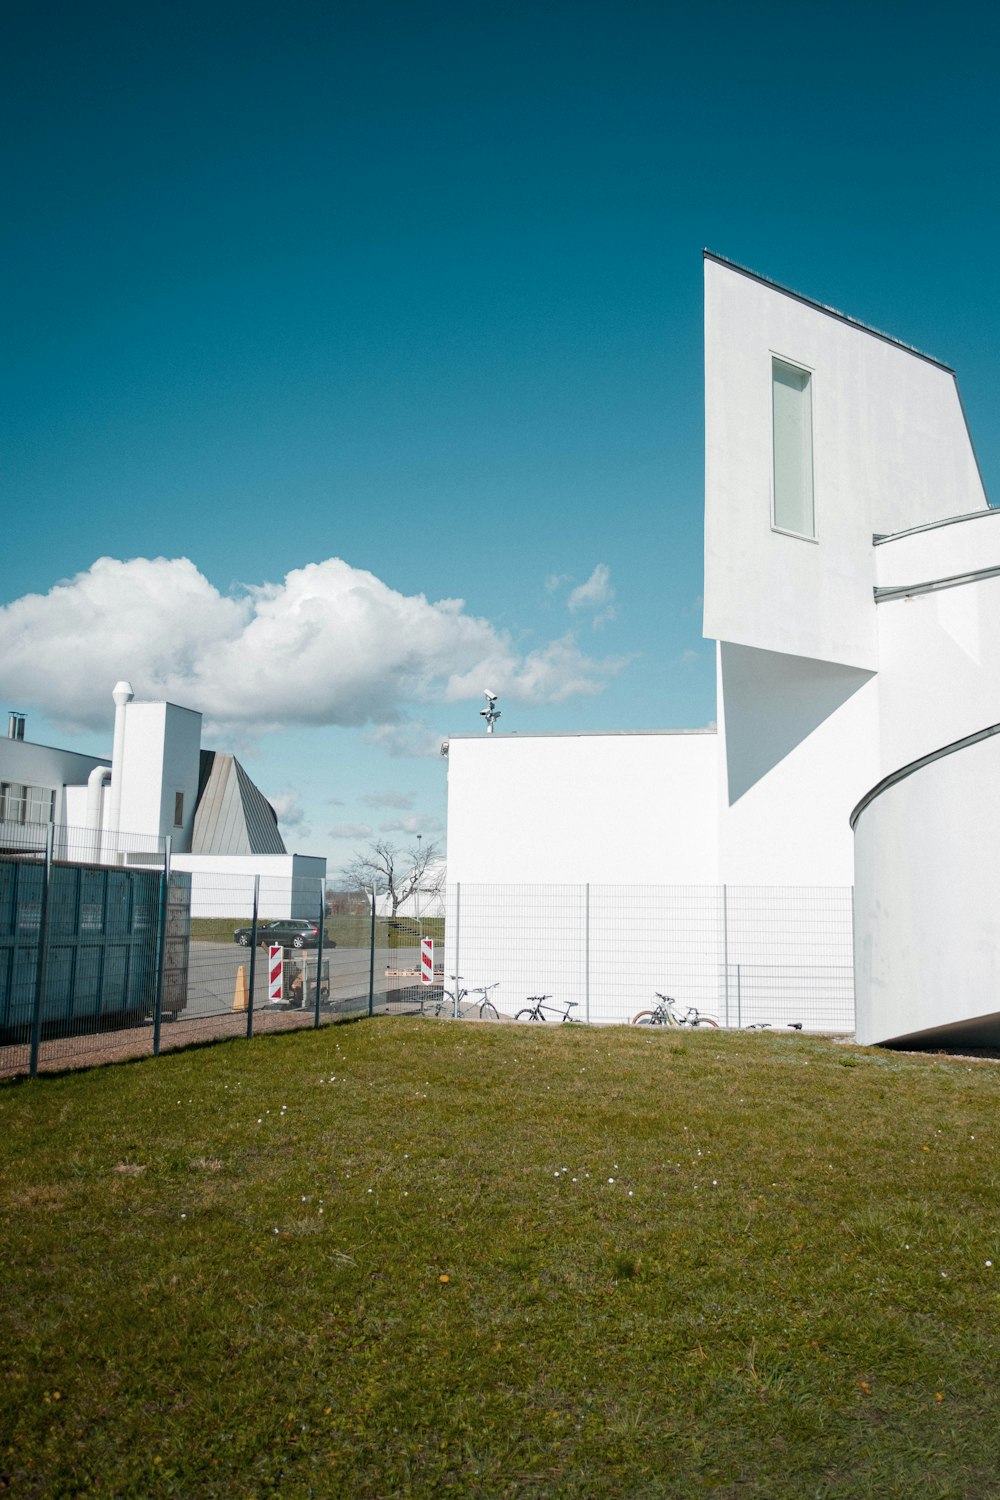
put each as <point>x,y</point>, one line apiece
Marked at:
<point>213,969</point>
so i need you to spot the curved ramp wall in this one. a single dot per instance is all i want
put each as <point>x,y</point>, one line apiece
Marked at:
<point>926,911</point>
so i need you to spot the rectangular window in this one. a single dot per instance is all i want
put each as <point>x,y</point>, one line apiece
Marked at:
<point>178,809</point>
<point>26,804</point>
<point>791,414</point>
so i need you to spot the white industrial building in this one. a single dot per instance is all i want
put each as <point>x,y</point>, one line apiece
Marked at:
<point>157,785</point>
<point>852,584</point>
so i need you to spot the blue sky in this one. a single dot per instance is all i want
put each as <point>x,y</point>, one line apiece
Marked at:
<point>418,288</point>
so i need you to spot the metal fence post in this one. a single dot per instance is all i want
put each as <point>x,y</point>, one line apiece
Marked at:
<point>319,950</point>
<point>458,966</point>
<point>43,956</point>
<point>161,948</point>
<point>253,952</point>
<point>586,950</point>
<point>725,946</point>
<point>371,961</point>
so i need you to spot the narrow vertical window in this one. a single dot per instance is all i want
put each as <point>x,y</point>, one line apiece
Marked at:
<point>178,809</point>
<point>791,407</point>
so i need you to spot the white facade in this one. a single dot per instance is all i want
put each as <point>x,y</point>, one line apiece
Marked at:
<point>617,808</point>
<point>159,770</point>
<point>125,807</point>
<point>852,581</point>
<point>222,885</point>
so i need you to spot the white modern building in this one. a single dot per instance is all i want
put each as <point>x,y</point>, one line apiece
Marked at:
<point>852,584</point>
<point>158,784</point>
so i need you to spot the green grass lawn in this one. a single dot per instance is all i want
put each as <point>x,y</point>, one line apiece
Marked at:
<point>405,1258</point>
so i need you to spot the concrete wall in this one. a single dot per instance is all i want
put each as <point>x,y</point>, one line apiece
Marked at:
<point>890,447</point>
<point>222,884</point>
<point>604,807</point>
<point>160,758</point>
<point>927,919</point>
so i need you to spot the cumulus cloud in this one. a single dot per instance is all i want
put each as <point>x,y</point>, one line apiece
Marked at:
<point>597,594</point>
<point>330,644</point>
<point>409,740</point>
<point>351,831</point>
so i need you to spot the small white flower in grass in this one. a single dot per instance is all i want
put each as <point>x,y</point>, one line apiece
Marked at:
<point>184,1216</point>
<point>988,1263</point>
<point>714,1182</point>
<point>574,1179</point>
<point>611,1179</point>
<point>630,1192</point>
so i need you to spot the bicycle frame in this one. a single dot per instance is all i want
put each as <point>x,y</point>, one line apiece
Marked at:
<point>537,1006</point>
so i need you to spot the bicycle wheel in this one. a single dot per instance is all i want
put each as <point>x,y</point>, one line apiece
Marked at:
<point>709,1021</point>
<point>644,1018</point>
<point>526,1015</point>
<point>488,1011</point>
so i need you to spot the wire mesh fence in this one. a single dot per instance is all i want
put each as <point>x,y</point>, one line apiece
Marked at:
<point>747,956</point>
<point>108,951</point>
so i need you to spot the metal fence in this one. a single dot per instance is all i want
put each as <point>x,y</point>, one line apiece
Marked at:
<point>747,955</point>
<point>107,952</point>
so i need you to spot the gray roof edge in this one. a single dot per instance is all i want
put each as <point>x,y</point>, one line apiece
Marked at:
<point>582,734</point>
<point>831,312</point>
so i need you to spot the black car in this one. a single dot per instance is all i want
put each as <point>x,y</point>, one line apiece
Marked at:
<point>288,933</point>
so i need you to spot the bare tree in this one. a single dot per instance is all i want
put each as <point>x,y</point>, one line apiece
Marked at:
<point>398,872</point>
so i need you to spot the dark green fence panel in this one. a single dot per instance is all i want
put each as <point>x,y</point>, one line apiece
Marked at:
<point>102,950</point>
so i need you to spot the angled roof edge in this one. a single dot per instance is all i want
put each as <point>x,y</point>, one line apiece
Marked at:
<point>876,333</point>
<point>831,312</point>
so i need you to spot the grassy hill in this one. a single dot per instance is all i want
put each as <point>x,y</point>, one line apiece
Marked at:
<point>405,1258</point>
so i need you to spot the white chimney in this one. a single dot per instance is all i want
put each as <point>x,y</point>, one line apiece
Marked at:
<point>122,695</point>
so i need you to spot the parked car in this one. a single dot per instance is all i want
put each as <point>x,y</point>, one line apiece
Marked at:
<point>289,933</point>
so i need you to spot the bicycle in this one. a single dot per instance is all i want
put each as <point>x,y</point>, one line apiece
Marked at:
<point>450,1001</point>
<point>668,1013</point>
<point>536,1010</point>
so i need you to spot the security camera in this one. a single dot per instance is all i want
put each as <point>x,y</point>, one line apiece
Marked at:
<point>488,694</point>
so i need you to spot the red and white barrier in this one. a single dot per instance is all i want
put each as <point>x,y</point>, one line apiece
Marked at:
<point>426,960</point>
<point>277,955</point>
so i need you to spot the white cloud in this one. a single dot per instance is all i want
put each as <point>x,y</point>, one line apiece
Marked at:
<point>351,831</point>
<point>330,644</point>
<point>408,740</point>
<point>596,594</point>
<point>416,823</point>
<point>290,813</point>
<point>401,800</point>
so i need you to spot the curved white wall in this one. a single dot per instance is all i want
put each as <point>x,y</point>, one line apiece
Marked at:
<point>960,545</point>
<point>927,918</point>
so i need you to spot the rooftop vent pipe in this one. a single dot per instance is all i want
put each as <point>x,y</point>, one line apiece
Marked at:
<point>122,695</point>
<point>15,725</point>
